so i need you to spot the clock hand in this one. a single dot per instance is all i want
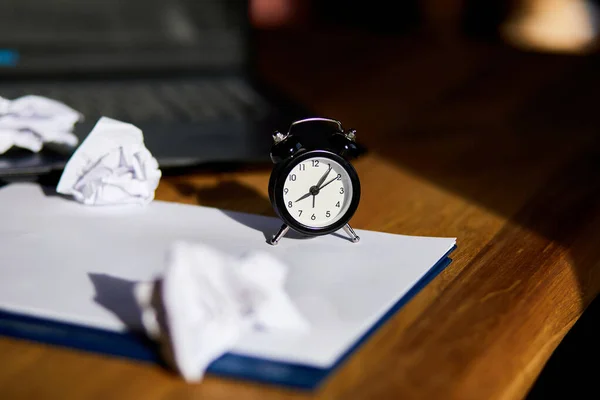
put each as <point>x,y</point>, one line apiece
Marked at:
<point>328,183</point>
<point>316,187</point>
<point>323,177</point>
<point>303,197</point>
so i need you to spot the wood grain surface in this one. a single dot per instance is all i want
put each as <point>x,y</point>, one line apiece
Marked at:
<point>472,140</point>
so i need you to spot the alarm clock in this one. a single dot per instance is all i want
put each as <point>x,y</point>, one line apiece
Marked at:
<point>314,189</point>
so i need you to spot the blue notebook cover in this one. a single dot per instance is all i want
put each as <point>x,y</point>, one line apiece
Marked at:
<point>138,347</point>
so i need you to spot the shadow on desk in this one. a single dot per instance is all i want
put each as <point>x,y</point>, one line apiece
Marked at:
<point>512,132</point>
<point>518,135</point>
<point>571,372</point>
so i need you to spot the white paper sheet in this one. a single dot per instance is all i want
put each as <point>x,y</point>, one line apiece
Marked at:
<point>60,259</point>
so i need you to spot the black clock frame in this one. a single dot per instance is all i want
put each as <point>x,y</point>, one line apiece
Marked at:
<point>277,182</point>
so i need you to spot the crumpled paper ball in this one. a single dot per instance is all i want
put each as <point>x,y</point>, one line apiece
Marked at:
<point>31,121</point>
<point>206,300</point>
<point>112,166</point>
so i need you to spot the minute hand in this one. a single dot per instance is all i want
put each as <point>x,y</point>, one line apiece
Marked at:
<point>328,183</point>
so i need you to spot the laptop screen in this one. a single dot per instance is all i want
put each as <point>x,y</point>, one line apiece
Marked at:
<point>45,36</point>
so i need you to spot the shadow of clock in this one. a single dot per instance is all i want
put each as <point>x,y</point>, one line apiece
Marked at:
<point>268,227</point>
<point>241,203</point>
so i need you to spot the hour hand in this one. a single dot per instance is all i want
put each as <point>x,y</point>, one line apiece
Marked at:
<point>323,177</point>
<point>303,197</point>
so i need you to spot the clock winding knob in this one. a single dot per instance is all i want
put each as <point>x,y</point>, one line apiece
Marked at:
<point>278,137</point>
<point>351,134</point>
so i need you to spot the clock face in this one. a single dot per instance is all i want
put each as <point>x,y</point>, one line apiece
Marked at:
<point>317,192</point>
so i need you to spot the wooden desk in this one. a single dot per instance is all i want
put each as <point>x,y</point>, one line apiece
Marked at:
<point>470,140</point>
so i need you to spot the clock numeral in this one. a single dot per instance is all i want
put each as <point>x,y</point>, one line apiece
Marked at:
<point>315,163</point>
<point>339,177</point>
<point>328,214</point>
<point>313,217</point>
<point>292,177</point>
<point>289,204</point>
<point>337,204</point>
<point>299,213</point>
<point>302,167</point>
<point>342,190</point>
<point>286,190</point>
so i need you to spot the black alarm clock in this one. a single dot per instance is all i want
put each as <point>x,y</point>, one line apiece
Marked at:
<point>314,188</point>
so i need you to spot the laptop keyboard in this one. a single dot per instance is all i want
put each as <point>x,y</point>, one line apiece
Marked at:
<point>152,101</point>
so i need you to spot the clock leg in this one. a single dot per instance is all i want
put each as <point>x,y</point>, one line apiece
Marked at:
<point>353,236</point>
<point>282,231</point>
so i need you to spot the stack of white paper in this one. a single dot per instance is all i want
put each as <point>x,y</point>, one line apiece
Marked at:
<point>62,260</point>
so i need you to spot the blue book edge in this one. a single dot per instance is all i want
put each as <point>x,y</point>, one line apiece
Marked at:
<point>138,347</point>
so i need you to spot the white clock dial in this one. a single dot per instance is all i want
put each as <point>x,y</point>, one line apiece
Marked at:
<point>317,192</point>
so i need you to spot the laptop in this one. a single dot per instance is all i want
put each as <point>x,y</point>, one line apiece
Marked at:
<point>180,70</point>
